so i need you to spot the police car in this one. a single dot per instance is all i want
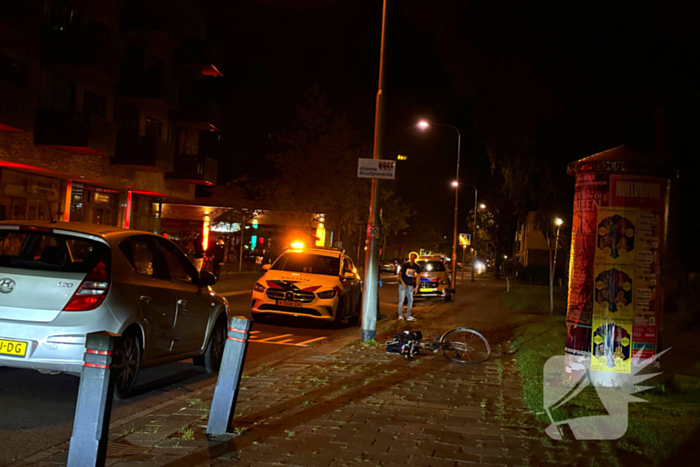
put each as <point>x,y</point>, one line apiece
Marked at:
<point>314,282</point>
<point>434,278</point>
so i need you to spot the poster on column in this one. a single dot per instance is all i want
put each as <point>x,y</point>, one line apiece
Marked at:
<point>646,194</point>
<point>613,288</point>
<point>590,194</point>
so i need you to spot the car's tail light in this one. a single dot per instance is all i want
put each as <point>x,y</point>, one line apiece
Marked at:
<point>327,294</point>
<point>92,291</point>
<point>258,287</point>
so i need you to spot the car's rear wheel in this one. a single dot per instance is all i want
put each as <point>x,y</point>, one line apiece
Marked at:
<point>126,364</point>
<point>211,360</point>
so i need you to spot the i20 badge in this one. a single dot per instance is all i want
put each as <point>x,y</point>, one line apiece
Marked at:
<point>65,284</point>
<point>7,285</point>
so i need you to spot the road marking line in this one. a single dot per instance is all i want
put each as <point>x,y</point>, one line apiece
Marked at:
<point>311,340</point>
<point>284,341</point>
<point>268,339</point>
<point>254,332</point>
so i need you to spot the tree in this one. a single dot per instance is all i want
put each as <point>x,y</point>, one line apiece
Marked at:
<point>318,168</point>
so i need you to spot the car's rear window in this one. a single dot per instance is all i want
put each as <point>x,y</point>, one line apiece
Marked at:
<point>432,266</point>
<point>47,251</point>
<point>308,263</point>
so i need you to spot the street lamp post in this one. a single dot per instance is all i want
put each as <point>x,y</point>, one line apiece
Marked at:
<point>476,196</point>
<point>423,125</point>
<point>552,267</point>
<point>370,297</point>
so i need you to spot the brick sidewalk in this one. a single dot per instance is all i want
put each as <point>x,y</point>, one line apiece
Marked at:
<point>352,404</point>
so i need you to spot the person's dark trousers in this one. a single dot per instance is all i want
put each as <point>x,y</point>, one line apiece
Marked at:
<point>216,266</point>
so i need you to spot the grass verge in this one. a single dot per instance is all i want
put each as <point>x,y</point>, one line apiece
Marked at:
<point>657,429</point>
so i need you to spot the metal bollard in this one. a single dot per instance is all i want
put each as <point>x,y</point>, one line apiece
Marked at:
<point>223,405</point>
<point>88,443</point>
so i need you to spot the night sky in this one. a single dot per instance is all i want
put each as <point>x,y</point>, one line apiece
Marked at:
<point>575,77</point>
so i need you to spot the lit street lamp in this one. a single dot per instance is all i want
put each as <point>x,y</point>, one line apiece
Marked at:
<point>424,125</point>
<point>552,267</point>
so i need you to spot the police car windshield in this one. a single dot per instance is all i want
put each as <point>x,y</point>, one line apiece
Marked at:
<point>308,263</point>
<point>432,266</point>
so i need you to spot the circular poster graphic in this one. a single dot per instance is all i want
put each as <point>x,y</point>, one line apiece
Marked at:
<point>616,235</point>
<point>613,289</point>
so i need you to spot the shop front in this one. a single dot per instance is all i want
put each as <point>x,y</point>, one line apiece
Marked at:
<point>28,196</point>
<point>95,205</point>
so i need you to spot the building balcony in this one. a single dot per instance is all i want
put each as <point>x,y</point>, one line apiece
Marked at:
<point>162,22</point>
<point>197,112</point>
<point>76,132</point>
<point>197,169</point>
<point>14,115</point>
<point>149,89</point>
<point>20,20</point>
<point>145,152</point>
<point>79,55</point>
<point>205,56</point>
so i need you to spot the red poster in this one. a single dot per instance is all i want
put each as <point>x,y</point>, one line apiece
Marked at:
<point>591,192</point>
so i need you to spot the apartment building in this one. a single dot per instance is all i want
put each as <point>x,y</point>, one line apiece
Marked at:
<point>107,109</point>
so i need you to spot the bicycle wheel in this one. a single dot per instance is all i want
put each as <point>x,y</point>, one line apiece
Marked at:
<point>465,346</point>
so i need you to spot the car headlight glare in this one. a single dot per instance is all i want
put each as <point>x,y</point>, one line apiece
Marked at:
<point>326,294</point>
<point>258,287</point>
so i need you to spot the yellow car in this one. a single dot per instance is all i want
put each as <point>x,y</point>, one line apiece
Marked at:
<point>434,278</point>
<point>315,282</point>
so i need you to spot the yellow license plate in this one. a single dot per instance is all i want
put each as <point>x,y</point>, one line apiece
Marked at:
<point>14,348</point>
<point>289,303</point>
<point>427,290</point>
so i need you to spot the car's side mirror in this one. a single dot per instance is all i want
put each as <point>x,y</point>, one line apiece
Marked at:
<point>206,279</point>
<point>266,267</point>
<point>349,275</point>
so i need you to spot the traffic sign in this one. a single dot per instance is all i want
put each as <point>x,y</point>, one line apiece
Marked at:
<point>465,239</point>
<point>376,168</point>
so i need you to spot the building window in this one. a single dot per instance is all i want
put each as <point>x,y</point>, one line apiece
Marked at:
<point>57,94</point>
<point>12,72</point>
<point>127,119</point>
<point>94,104</point>
<point>94,205</point>
<point>153,127</point>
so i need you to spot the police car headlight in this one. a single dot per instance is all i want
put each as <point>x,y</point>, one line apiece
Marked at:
<point>327,294</point>
<point>258,287</point>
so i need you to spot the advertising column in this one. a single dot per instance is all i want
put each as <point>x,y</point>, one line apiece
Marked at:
<point>615,294</point>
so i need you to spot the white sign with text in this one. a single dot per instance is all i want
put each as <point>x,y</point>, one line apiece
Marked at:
<point>376,168</point>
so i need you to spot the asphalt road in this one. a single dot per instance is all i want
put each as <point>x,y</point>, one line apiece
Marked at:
<point>36,410</point>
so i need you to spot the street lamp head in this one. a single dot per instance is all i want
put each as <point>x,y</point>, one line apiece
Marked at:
<point>423,124</point>
<point>455,183</point>
<point>558,221</point>
<point>482,206</point>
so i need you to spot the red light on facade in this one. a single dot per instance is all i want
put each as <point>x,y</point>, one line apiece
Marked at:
<point>127,220</point>
<point>4,127</point>
<point>66,206</point>
<point>211,70</point>
<point>79,150</point>
<point>205,235</point>
<point>149,193</point>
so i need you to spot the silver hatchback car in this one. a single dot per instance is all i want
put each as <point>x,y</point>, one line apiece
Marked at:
<point>61,281</point>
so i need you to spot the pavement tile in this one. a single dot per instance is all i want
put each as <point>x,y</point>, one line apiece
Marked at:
<point>429,461</point>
